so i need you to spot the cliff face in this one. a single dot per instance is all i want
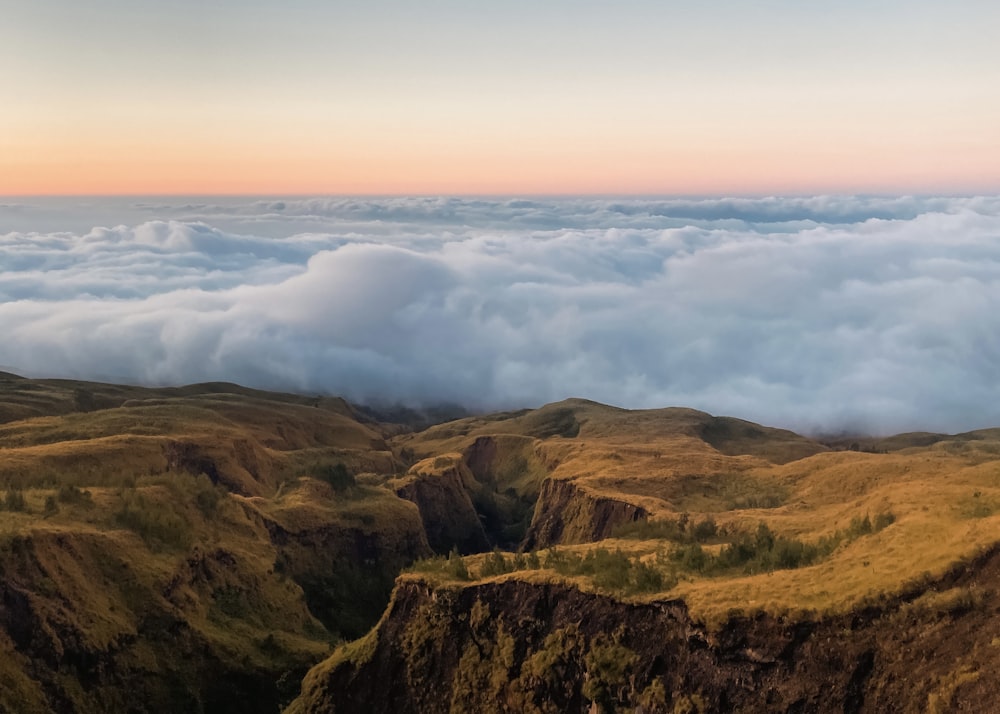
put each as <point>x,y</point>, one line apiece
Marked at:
<point>566,513</point>
<point>509,470</point>
<point>513,646</point>
<point>346,562</point>
<point>440,489</point>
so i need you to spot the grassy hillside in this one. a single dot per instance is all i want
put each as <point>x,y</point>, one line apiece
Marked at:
<point>189,549</point>
<point>737,531</point>
<point>850,527</point>
<point>199,548</point>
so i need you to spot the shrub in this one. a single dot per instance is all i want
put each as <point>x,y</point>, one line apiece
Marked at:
<point>336,475</point>
<point>51,507</point>
<point>646,578</point>
<point>207,495</point>
<point>608,665</point>
<point>14,500</point>
<point>704,530</point>
<point>456,567</point>
<point>681,530</point>
<point>883,520</point>
<point>610,570</point>
<point>495,564</point>
<point>157,526</point>
<point>692,557</point>
<point>859,527</point>
<point>72,494</point>
<point>765,551</point>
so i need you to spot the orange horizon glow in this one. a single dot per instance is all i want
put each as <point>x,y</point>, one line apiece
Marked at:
<point>151,177</point>
<point>555,99</point>
<point>592,160</point>
<point>763,165</point>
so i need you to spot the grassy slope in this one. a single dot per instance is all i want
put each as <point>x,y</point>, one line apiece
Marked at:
<point>132,604</point>
<point>129,445</point>
<point>149,582</point>
<point>664,461</point>
<point>944,495</point>
<point>250,440</point>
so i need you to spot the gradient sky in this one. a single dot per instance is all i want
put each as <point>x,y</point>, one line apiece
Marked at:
<point>521,96</point>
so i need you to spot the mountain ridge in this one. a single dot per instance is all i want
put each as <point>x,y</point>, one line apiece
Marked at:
<point>203,512</point>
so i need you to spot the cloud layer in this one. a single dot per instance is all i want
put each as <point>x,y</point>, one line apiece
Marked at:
<point>822,313</point>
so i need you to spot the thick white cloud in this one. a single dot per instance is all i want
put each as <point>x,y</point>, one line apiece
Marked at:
<point>820,313</point>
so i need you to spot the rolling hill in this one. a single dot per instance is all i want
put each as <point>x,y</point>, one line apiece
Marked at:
<point>200,548</point>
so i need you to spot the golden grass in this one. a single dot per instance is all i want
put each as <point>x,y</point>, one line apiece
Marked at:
<point>945,498</point>
<point>307,504</point>
<point>254,443</point>
<point>656,459</point>
<point>91,582</point>
<point>18,691</point>
<point>943,491</point>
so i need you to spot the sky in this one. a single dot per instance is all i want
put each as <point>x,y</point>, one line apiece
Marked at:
<point>523,97</point>
<point>824,314</point>
<point>779,210</point>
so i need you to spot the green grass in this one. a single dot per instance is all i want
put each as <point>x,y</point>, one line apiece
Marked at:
<point>664,553</point>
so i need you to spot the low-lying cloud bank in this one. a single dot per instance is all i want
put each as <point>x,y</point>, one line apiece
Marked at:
<point>823,313</point>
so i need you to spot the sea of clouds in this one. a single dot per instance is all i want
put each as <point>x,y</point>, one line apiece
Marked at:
<point>819,314</point>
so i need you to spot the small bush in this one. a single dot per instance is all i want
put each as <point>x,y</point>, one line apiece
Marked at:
<point>159,527</point>
<point>692,557</point>
<point>51,506</point>
<point>704,530</point>
<point>337,476</point>
<point>765,551</point>
<point>859,527</point>
<point>611,571</point>
<point>495,564</point>
<point>14,501</point>
<point>883,520</point>
<point>646,578</point>
<point>456,567</point>
<point>73,495</point>
<point>681,530</point>
<point>608,664</point>
<point>207,496</point>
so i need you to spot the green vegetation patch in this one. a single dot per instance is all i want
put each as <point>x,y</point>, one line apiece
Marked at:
<point>611,571</point>
<point>677,530</point>
<point>764,551</point>
<point>14,501</point>
<point>623,574</point>
<point>336,475</point>
<point>159,527</point>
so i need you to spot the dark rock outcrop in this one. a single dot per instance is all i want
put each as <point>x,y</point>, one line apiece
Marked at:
<point>514,646</point>
<point>441,494</point>
<point>566,513</point>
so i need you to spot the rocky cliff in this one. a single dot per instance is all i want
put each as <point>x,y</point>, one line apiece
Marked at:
<point>569,513</point>
<point>440,488</point>
<point>516,646</point>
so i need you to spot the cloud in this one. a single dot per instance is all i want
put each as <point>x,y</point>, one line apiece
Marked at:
<point>821,313</point>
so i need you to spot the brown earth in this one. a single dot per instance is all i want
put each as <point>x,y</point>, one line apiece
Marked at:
<point>514,646</point>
